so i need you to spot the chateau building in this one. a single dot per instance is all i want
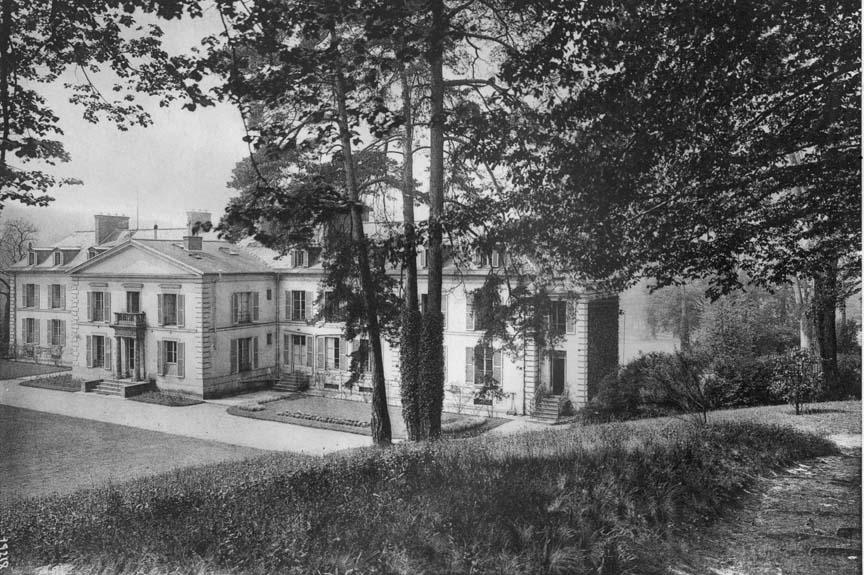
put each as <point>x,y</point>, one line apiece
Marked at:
<point>198,315</point>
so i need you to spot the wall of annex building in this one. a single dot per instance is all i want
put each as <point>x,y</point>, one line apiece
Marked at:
<point>178,370</point>
<point>47,343</point>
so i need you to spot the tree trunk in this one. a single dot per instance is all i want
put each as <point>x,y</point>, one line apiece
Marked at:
<point>804,312</point>
<point>684,324</point>
<point>825,322</point>
<point>433,320</point>
<point>381,432</point>
<point>411,328</point>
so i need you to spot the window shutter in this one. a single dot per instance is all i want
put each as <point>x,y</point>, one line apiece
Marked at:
<point>309,298</point>
<point>293,258</point>
<point>181,310</point>
<point>255,306</point>
<point>23,295</point>
<point>160,357</point>
<point>63,332</point>
<point>444,308</point>
<point>235,319</point>
<point>571,317</point>
<point>319,343</point>
<point>50,296</point>
<point>306,258</point>
<point>289,303</point>
<point>107,353</point>
<point>62,297</point>
<point>36,290</point>
<point>234,366</point>
<point>36,339</point>
<point>286,349</point>
<point>469,312</point>
<point>89,351</point>
<point>106,301</point>
<point>181,359</point>
<point>309,351</point>
<point>255,351</point>
<point>496,366</point>
<point>159,308</point>
<point>469,365</point>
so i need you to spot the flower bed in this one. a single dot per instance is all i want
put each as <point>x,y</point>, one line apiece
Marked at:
<point>324,419</point>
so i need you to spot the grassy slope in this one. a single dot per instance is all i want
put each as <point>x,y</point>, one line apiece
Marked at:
<point>600,499</point>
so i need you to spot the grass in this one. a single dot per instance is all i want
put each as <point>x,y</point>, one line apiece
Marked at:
<point>15,369</point>
<point>42,453</point>
<point>600,499</point>
<point>58,381</point>
<point>171,399</point>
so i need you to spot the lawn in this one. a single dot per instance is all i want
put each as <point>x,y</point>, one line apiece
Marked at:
<point>15,369</point>
<point>42,453</point>
<point>600,499</point>
<point>61,381</point>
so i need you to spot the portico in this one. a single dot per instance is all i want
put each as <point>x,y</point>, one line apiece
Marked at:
<point>129,329</point>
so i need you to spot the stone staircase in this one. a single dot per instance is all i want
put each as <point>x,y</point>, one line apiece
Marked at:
<point>548,411</point>
<point>109,388</point>
<point>293,383</point>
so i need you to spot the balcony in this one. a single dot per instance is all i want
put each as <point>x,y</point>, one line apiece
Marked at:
<point>129,320</point>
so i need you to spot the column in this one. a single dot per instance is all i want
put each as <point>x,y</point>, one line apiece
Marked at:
<point>119,360</point>
<point>138,358</point>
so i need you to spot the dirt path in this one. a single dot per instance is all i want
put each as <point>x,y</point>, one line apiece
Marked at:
<point>805,520</point>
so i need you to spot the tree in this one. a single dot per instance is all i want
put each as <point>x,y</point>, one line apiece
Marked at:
<point>679,141</point>
<point>16,237</point>
<point>39,41</point>
<point>677,309</point>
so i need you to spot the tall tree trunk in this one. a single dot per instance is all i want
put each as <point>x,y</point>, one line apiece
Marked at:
<point>684,324</point>
<point>803,303</point>
<point>412,321</point>
<point>825,320</point>
<point>433,320</point>
<point>381,432</point>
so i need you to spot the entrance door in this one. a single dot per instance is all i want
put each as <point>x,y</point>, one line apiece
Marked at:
<point>559,372</point>
<point>129,368</point>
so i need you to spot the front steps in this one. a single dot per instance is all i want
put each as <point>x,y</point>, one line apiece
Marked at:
<point>549,410</point>
<point>293,383</point>
<point>121,388</point>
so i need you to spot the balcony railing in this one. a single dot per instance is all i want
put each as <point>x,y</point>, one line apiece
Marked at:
<point>130,319</point>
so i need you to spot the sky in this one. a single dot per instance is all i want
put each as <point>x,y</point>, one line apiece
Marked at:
<point>181,162</point>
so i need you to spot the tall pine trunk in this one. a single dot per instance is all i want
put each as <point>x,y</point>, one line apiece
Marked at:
<point>381,432</point>
<point>433,319</point>
<point>411,327</point>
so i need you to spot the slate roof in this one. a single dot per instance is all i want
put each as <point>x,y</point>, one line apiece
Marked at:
<point>215,256</point>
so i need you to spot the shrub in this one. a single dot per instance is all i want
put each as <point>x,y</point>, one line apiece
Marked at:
<point>849,374</point>
<point>797,378</point>
<point>741,381</point>
<point>168,398</point>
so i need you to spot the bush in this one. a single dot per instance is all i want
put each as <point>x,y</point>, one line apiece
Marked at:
<point>798,378</point>
<point>741,381</point>
<point>849,374</point>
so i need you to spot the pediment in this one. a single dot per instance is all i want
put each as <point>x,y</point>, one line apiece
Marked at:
<point>133,261</point>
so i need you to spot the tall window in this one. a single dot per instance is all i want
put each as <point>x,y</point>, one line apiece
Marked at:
<point>133,302</point>
<point>329,356</point>
<point>171,357</point>
<point>298,350</point>
<point>98,306</point>
<point>334,310</point>
<point>558,317</point>
<point>31,331</point>
<point>298,306</point>
<point>244,307</point>
<point>244,354</point>
<point>476,315</point>
<point>58,258</point>
<point>56,296</point>
<point>299,258</point>
<point>31,258</point>
<point>30,295</point>
<point>481,364</point>
<point>171,309</point>
<point>98,351</point>
<point>57,331</point>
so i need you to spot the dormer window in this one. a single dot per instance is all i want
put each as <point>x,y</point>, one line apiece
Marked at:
<point>495,258</point>
<point>424,258</point>
<point>31,258</point>
<point>58,258</point>
<point>299,259</point>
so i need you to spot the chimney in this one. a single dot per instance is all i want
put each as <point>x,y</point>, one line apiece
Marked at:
<point>194,243</point>
<point>106,226</point>
<point>197,222</point>
<point>155,231</point>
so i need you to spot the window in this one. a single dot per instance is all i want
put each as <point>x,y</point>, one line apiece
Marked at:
<point>299,258</point>
<point>297,306</point>
<point>334,310</point>
<point>98,306</point>
<point>98,351</point>
<point>57,296</point>
<point>495,259</point>
<point>244,307</point>
<point>57,331</point>
<point>269,294</point>
<point>329,358</point>
<point>244,354</point>
<point>30,295</point>
<point>298,350</point>
<point>58,258</point>
<point>133,302</point>
<point>482,363</point>
<point>171,357</point>
<point>476,316</point>
<point>424,258</point>
<point>171,309</point>
<point>31,331</point>
<point>558,317</point>
<point>31,259</point>
<point>269,338</point>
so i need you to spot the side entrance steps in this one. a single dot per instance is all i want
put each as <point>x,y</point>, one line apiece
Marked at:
<point>293,383</point>
<point>121,389</point>
<point>548,411</point>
